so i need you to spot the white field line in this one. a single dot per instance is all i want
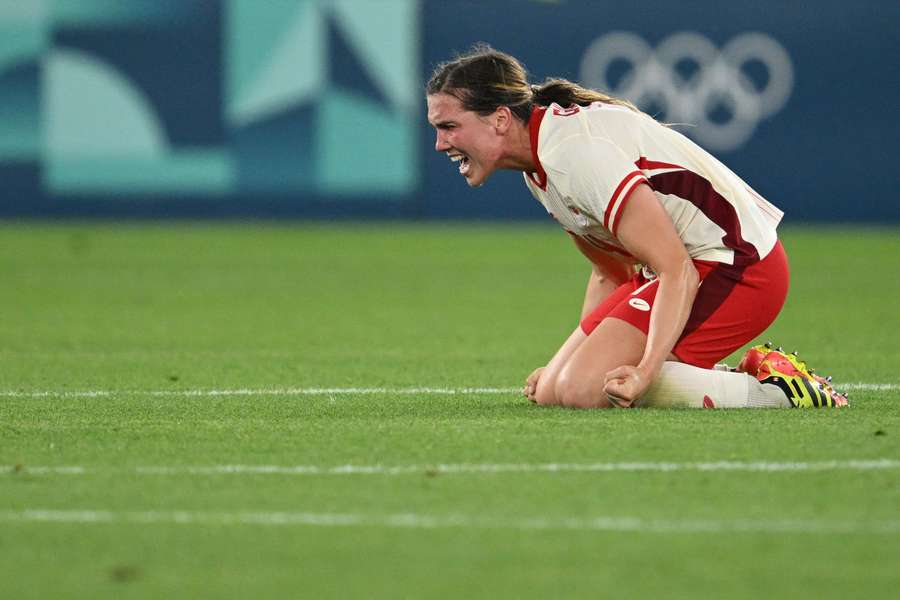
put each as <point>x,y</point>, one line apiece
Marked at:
<point>468,468</point>
<point>349,391</point>
<point>424,521</point>
<point>346,391</point>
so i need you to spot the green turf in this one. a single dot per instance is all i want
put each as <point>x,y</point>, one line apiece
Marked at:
<point>130,309</point>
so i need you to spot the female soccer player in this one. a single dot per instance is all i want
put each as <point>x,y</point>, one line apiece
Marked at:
<point>631,191</point>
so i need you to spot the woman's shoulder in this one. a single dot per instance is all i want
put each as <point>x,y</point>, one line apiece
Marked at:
<point>583,125</point>
<point>562,130</point>
<point>567,147</point>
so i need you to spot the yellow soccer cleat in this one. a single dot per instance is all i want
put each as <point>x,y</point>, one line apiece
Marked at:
<point>800,385</point>
<point>840,399</point>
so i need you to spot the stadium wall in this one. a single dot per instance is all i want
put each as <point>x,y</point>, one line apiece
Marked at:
<point>314,108</point>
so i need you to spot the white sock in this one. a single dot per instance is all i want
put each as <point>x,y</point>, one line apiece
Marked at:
<point>767,395</point>
<point>683,386</point>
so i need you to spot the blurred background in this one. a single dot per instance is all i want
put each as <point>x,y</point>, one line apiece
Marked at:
<point>314,108</point>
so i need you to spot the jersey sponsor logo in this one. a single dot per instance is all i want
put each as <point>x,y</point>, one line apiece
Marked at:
<point>687,79</point>
<point>639,303</point>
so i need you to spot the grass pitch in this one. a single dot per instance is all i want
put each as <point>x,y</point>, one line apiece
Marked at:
<point>166,431</point>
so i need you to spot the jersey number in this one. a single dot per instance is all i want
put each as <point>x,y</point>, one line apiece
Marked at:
<point>566,112</point>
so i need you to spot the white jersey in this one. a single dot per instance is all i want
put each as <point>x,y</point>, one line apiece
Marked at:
<point>589,159</point>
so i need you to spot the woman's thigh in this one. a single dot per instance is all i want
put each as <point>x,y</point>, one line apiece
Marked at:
<point>581,379</point>
<point>731,310</point>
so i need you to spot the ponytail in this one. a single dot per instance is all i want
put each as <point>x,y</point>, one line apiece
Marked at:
<point>565,93</point>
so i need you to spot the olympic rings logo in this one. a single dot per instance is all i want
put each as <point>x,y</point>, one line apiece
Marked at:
<point>720,81</point>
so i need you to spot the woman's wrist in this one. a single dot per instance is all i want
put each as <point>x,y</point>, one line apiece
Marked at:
<point>650,368</point>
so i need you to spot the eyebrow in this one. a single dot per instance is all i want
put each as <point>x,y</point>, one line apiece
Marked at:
<point>443,124</point>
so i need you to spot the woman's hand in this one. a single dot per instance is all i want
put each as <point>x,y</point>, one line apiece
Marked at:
<point>624,385</point>
<point>531,383</point>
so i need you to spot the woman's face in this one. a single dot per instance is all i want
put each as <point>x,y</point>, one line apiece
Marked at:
<point>466,137</point>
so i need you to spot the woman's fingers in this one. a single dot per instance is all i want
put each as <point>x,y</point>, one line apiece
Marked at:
<point>618,394</point>
<point>624,385</point>
<point>619,373</point>
<point>531,383</point>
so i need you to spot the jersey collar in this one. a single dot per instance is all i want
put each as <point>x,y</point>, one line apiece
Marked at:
<point>539,177</point>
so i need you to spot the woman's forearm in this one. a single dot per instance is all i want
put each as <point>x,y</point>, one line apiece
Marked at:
<point>599,286</point>
<point>607,273</point>
<point>671,309</point>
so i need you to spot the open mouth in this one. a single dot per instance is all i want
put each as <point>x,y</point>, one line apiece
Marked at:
<point>463,161</point>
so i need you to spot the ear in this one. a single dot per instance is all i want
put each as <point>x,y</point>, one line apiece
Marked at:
<point>503,118</point>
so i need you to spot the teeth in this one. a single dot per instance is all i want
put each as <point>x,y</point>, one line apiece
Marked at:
<point>456,158</point>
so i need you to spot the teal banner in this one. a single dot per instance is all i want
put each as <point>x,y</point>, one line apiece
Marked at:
<point>192,106</point>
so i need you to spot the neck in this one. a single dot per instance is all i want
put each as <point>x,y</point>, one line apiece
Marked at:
<point>518,155</point>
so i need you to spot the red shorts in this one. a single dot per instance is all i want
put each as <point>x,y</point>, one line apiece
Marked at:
<point>732,307</point>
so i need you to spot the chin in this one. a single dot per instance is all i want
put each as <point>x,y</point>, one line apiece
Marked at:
<point>477,182</point>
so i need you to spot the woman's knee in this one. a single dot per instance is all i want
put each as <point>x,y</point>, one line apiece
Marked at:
<point>579,392</point>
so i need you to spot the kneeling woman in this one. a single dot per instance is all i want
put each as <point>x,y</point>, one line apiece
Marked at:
<point>631,191</point>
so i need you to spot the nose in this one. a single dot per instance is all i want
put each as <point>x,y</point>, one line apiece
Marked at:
<point>440,144</point>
